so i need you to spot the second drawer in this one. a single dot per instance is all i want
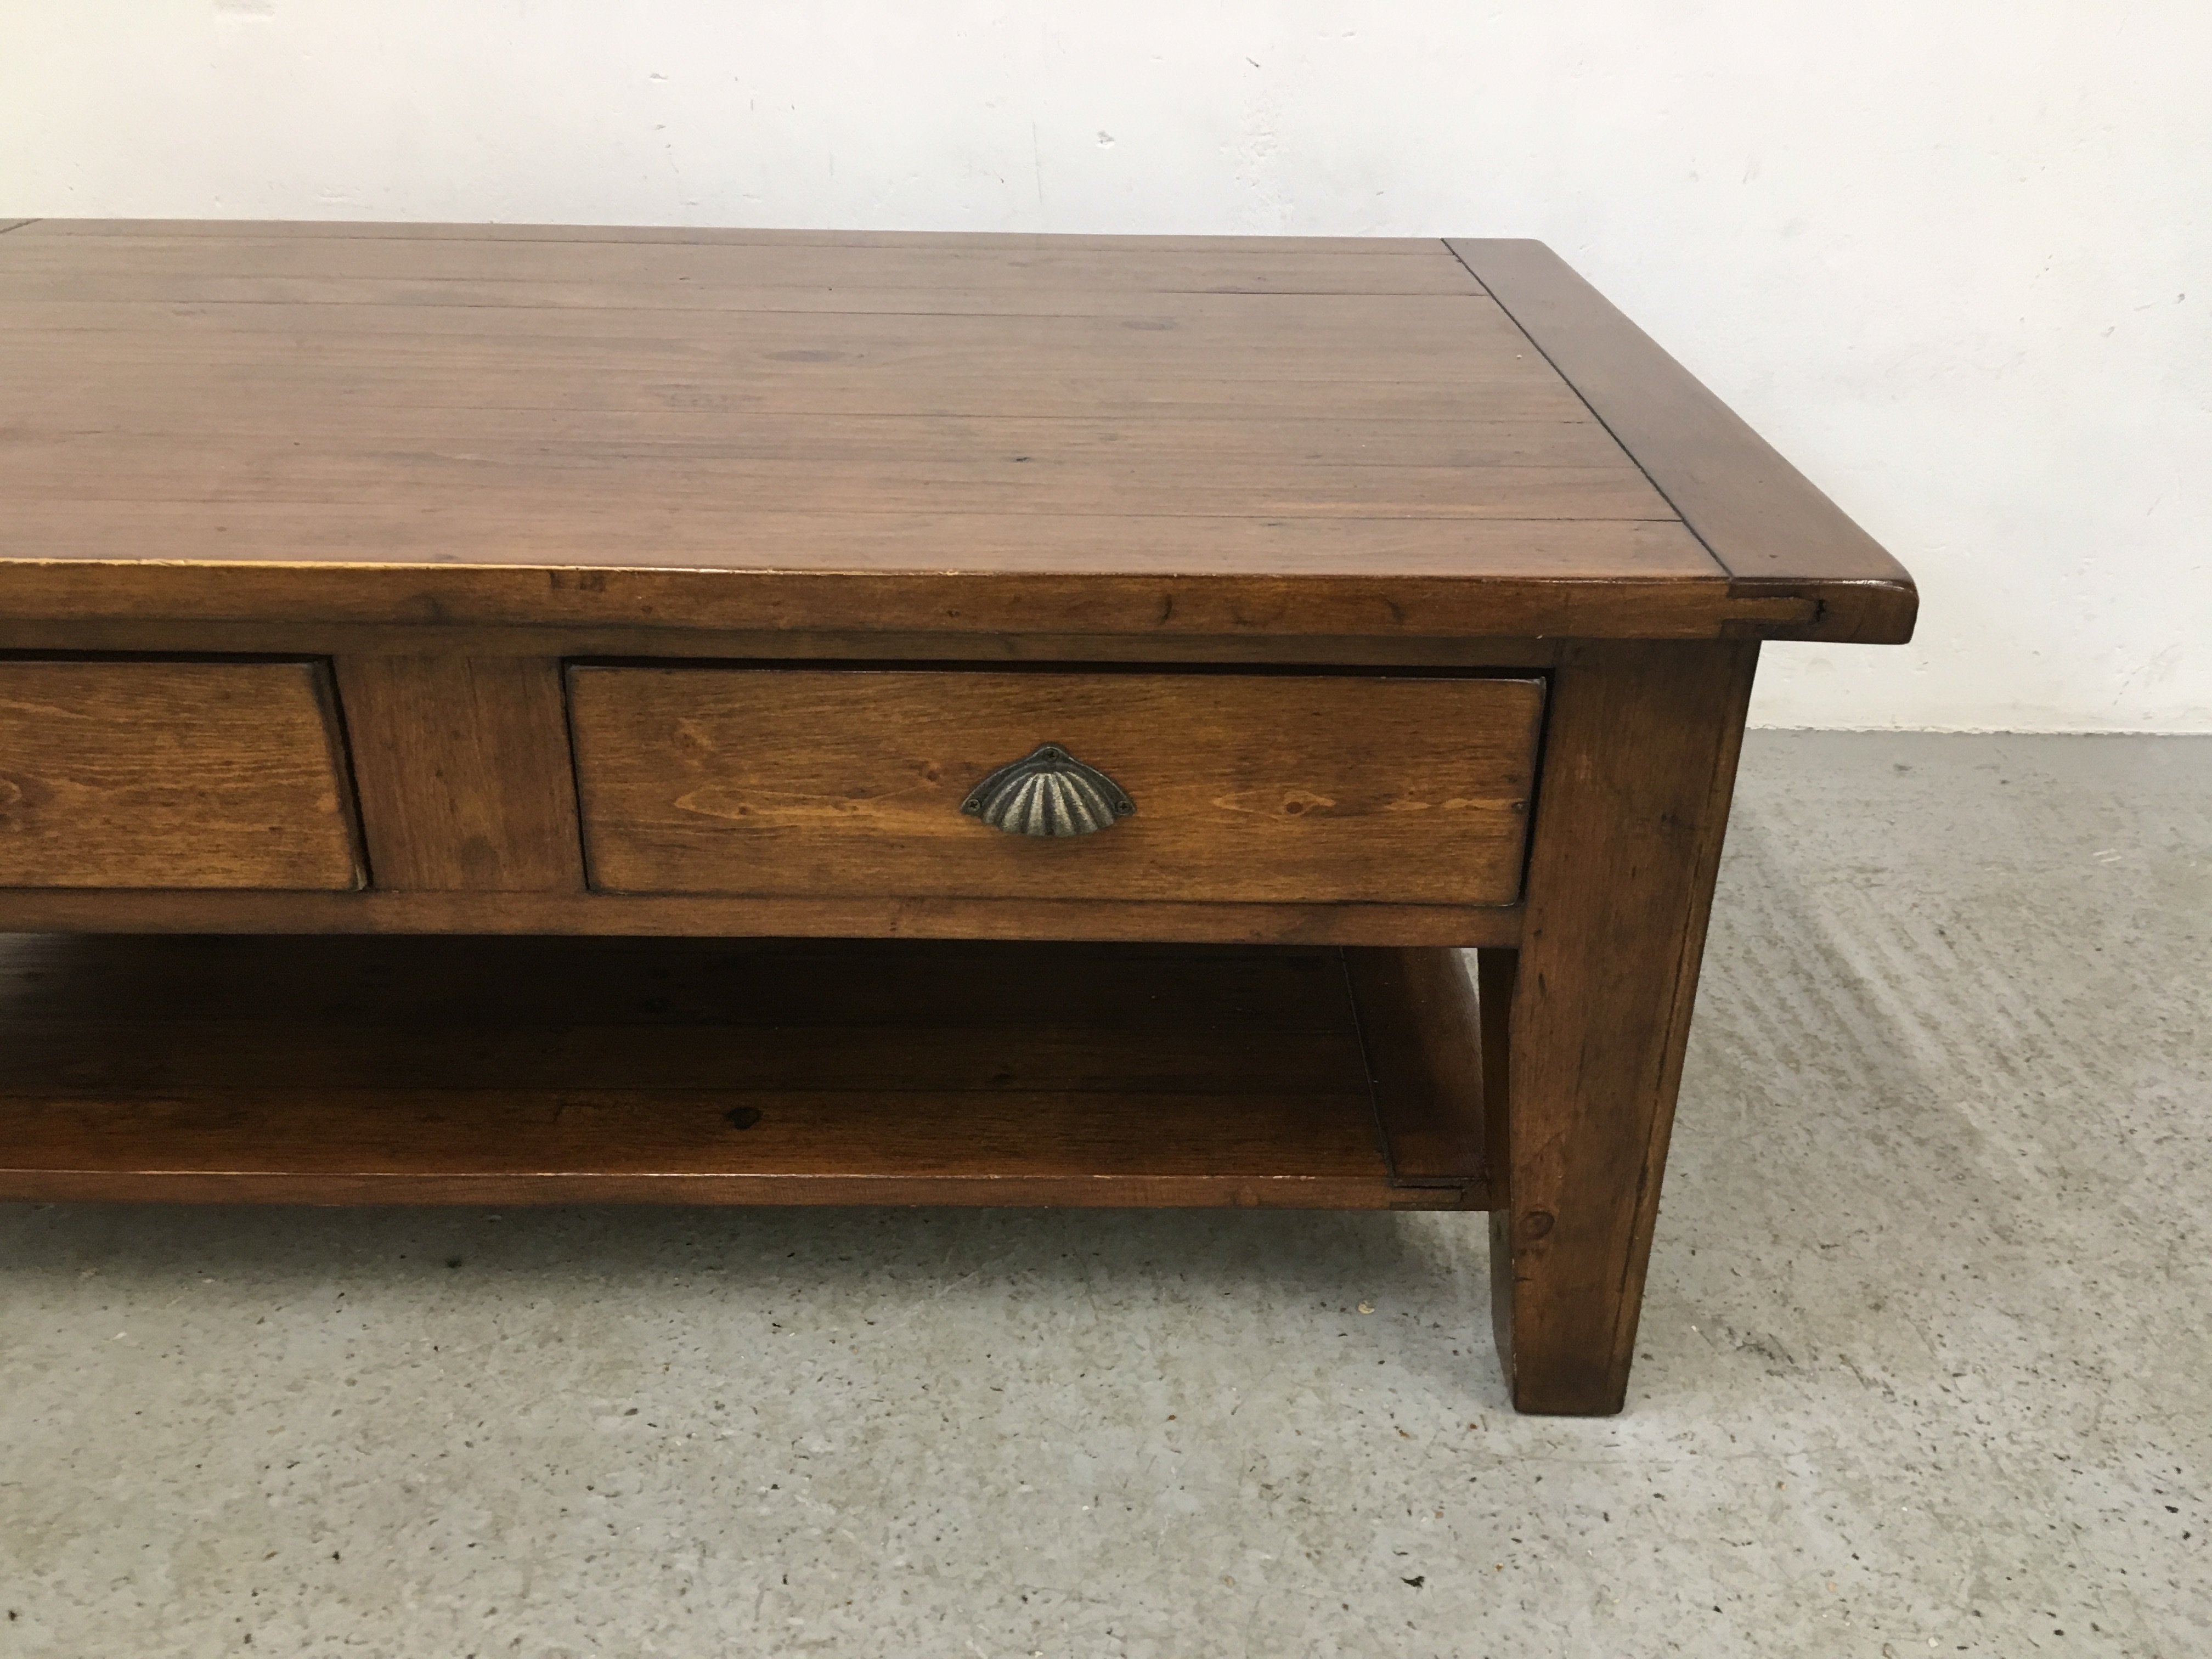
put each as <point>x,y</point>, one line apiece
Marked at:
<point>1262,789</point>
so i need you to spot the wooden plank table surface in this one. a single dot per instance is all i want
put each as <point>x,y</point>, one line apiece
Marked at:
<point>665,599</point>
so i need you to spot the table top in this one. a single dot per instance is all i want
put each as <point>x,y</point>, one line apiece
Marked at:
<point>803,429</point>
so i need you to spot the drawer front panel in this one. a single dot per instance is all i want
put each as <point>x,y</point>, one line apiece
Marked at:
<point>1247,788</point>
<point>172,774</point>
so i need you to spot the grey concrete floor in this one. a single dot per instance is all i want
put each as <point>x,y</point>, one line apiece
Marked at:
<point>1924,1362</point>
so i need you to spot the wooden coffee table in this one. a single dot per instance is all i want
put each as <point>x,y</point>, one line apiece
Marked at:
<point>491,715</point>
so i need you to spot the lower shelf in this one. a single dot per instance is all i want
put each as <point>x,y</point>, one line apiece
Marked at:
<point>335,1070</point>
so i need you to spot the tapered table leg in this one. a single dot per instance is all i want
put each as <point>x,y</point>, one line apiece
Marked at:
<point>1640,756</point>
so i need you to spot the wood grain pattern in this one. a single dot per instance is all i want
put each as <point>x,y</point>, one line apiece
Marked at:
<point>155,635</point>
<point>1496,972</point>
<point>645,565</point>
<point>877,916</point>
<point>1639,760</point>
<point>1135,577</point>
<point>680,300</point>
<point>122,333</point>
<point>718,236</point>
<point>1766,522</point>
<point>817,431</point>
<point>462,765</point>
<point>914,504</point>
<point>534,1070</point>
<point>153,470</point>
<point>1344,336</point>
<point>459,375</point>
<point>1252,788</point>
<point>1339,267</point>
<point>1424,1040</point>
<point>172,775</point>
<point>1026,460</point>
<point>1186,336</point>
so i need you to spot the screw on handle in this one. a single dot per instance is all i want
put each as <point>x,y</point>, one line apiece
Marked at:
<point>1048,792</point>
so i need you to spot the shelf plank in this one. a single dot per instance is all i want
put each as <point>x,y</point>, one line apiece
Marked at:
<point>402,1070</point>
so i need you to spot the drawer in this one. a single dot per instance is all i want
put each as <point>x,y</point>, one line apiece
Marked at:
<point>151,774</point>
<point>1263,788</point>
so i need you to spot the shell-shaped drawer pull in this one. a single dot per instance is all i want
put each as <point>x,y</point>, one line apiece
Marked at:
<point>1048,792</point>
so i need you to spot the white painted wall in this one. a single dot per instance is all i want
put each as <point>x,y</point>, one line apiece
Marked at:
<point>1953,256</point>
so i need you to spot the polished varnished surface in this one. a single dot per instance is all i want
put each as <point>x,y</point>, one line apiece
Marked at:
<point>172,774</point>
<point>523,488</point>
<point>883,430</point>
<point>1287,789</point>
<point>763,402</point>
<point>534,1071</point>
